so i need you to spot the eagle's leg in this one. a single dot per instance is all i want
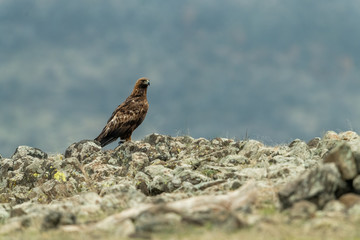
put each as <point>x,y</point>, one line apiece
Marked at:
<point>124,140</point>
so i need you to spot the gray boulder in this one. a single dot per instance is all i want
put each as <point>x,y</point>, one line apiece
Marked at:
<point>344,159</point>
<point>24,151</point>
<point>82,150</point>
<point>319,186</point>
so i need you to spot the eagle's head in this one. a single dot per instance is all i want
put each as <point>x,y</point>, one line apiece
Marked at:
<point>140,88</point>
<point>142,83</point>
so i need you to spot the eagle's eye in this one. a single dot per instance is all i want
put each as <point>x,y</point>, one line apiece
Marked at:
<point>145,82</point>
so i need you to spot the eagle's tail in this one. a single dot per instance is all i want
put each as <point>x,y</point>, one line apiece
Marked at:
<point>104,140</point>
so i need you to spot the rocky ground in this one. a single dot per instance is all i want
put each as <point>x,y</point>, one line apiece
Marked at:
<point>169,186</point>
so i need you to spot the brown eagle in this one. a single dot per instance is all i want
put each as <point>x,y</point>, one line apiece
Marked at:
<point>127,116</point>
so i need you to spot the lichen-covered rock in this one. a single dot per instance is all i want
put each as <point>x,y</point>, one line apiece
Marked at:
<point>161,179</point>
<point>139,160</point>
<point>162,182</point>
<point>23,151</point>
<point>319,186</point>
<point>344,159</point>
<point>220,210</point>
<point>82,150</point>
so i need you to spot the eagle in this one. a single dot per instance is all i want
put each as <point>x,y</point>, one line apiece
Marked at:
<point>127,116</point>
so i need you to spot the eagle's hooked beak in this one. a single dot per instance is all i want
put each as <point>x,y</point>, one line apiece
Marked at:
<point>148,82</point>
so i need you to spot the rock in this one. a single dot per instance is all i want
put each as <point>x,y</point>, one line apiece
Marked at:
<point>349,199</point>
<point>314,143</point>
<point>354,213</point>
<point>23,151</point>
<point>235,184</point>
<point>349,135</point>
<point>54,219</point>
<point>82,150</point>
<point>155,220</point>
<point>356,155</point>
<point>204,208</point>
<point>200,210</point>
<point>331,135</point>
<point>204,185</point>
<point>252,173</point>
<point>139,160</point>
<point>330,140</point>
<point>356,184</point>
<point>250,148</point>
<point>155,139</point>
<point>4,213</point>
<point>187,175</point>
<point>162,182</point>
<point>322,224</point>
<point>299,150</point>
<point>319,186</point>
<point>302,210</point>
<point>234,160</point>
<point>334,206</point>
<point>10,228</point>
<point>161,179</point>
<point>126,229</point>
<point>343,157</point>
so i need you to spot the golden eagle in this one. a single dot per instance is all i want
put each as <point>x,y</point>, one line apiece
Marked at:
<point>127,116</point>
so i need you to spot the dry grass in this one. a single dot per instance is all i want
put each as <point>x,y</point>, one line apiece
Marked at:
<point>264,231</point>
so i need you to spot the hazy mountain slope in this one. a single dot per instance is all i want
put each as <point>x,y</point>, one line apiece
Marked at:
<point>276,69</point>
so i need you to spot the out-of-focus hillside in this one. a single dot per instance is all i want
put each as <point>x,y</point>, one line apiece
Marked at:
<point>277,70</point>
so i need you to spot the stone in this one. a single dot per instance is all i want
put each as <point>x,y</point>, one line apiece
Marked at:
<point>200,210</point>
<point>156,220</point>
<point>250,148</point>
<point>356,155</point>
<point>139,160</point>
<point>187,175</point>
<point>82,150</point>
<point>314,143</point>
<point>234,160</point>
<point>161,179</point>
<point>319,186</point>
<point>356,184</point>
<point>54,219</point>
<point>331,135</point>
<point>155,139</point>
<point>4,213</point>
<point>334,206</point>
<point>162,182</point>
<point>23,151</point>
<point>348,135</point>
<point>349,199</point>
<point>303,210</point>
<point>142,182</point>
<point>343,157</point>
